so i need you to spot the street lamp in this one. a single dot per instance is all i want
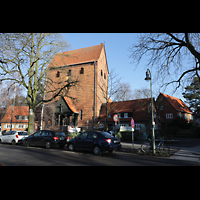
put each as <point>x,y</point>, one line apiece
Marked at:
<point>148,78</point>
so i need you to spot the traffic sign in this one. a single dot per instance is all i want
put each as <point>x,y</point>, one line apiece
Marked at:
<point>132,123</point>
<point>115,117</point>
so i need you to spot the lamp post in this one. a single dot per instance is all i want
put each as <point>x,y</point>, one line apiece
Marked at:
<point>148,77</point>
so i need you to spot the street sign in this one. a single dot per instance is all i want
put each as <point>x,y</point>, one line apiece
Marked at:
<point>115,117</point>
<point>132,123</point>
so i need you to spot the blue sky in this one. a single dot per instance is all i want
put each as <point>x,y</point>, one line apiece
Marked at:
<point>117,45</point>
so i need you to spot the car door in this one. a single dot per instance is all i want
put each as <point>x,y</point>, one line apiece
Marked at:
<point>91,140</point>
<point>34,138</point>
<point>5,137</point>
<point>12,136</point>
<point>81,142</point>
<point>8,136</point>
<point>44,137</point>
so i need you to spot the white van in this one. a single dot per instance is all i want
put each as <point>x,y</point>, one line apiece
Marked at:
<point>13,137</point>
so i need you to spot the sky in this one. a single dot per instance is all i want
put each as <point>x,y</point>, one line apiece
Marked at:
<point>117,52</point>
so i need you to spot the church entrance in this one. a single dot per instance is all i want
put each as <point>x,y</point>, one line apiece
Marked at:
<point>64,115</point>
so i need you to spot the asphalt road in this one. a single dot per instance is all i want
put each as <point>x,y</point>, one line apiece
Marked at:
<point>17,155</point>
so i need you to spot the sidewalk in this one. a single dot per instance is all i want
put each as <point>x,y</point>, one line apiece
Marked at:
<point>129,145</point>
<point>188,154</point>
<point>182,153</point>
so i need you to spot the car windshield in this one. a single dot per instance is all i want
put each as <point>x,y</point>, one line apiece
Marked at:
<point>106,134</point>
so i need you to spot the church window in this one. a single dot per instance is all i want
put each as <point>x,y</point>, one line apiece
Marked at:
<point>57,74</point>
<point>81,115</point>
<point>69,72</point>
<point>82,70</point>
<point>101,72</point>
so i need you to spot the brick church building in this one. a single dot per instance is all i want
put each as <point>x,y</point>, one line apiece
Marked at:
<point>80,105</point>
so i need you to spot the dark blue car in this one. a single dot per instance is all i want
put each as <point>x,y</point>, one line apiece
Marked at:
<point>95,141</point>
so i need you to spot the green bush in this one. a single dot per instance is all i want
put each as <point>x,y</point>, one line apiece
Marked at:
<point>72,134</point>
<point>119,135</point>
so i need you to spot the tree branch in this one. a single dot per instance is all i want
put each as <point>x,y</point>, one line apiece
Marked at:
<point>179,80</point>
<point>69,85</point>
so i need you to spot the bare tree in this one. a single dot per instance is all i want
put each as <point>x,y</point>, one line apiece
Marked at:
<point>142,93</point>
<point>124,92</point>
<point>167,51</point>
<point>24,60</point>
<point>114,91</point>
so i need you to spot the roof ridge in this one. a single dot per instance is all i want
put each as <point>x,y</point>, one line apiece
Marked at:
<point>80,48</point>
<point>77,56</point>
<point>179,101</point>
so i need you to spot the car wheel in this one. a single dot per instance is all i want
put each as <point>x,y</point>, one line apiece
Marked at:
<point>13,142</point>
<point>71,147</point>
<point>97,150</point>
<point>0,142</point>
<point>48,145</point>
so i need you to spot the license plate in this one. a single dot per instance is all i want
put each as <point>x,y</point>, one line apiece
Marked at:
<point>61,138</point>
<point>116,141</point>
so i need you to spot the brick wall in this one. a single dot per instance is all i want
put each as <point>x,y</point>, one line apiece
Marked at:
<point>83,92</point>
<point>164,107</point>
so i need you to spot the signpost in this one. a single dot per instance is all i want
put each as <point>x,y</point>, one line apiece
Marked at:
<point>132,125</point>
<point>115,118</point>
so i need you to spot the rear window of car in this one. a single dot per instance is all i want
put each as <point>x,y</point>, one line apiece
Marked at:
<point>60,134</point>
<point>22,133</point>
<point>106,134</point>
<point>46,133</point>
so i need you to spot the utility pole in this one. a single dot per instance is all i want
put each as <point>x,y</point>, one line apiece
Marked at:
<point>12,110</point>
<point>148,77</point>
<point>42,114</point>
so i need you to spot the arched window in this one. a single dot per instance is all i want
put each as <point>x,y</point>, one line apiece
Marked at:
<point>69,72</point>
<point>57,74</point>
<point>82,70</point>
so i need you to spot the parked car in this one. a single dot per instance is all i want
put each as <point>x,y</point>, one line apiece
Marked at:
<point>46,138</point>
<point>95,141</point>
<point>22,136</point>
<point>13,137</point>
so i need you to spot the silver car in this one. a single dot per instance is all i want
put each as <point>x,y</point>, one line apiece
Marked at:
<point>13,137</point>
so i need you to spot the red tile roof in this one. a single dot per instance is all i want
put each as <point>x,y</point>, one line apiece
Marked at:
<point>178,104</point>
<point>77,56</point>
<point>70,104</point>
<point>139,108</point>
<point>18,110</point>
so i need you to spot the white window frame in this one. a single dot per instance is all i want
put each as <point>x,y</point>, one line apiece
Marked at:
<point>125,115</point>
<point>169,116</point>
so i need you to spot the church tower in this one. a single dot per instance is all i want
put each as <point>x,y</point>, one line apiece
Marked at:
<point>89,67</point>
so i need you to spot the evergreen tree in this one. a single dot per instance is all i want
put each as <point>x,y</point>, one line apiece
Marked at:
<point>192,94</point>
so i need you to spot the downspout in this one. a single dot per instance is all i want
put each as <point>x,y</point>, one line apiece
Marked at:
<point>94,93</point>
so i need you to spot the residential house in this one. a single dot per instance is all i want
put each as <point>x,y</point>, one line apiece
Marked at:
<point>139,110</point>
<point>19,117</point>
<point>170,108</point>
<point>89,67</point>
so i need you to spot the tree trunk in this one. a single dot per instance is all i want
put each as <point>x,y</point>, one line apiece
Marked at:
<point>31,122</point>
